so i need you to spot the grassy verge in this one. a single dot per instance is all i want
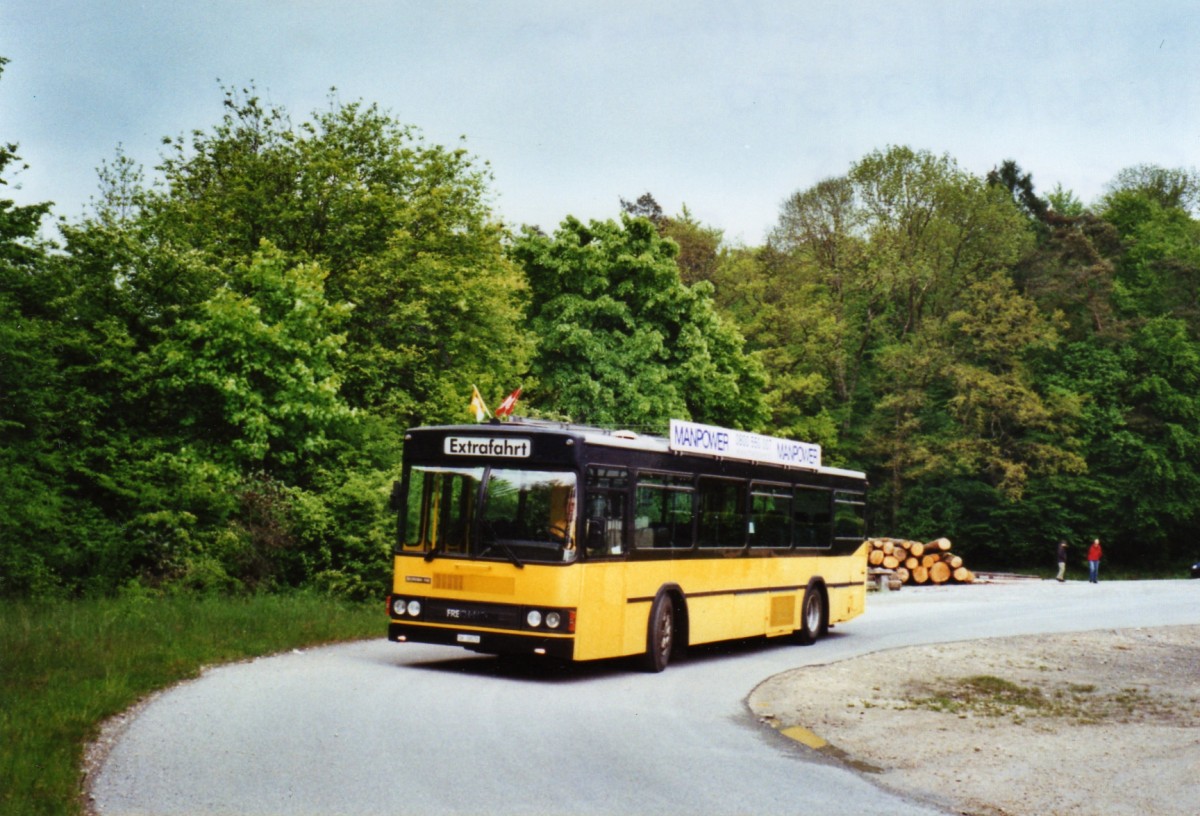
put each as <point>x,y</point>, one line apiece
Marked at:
<point>67,666</point>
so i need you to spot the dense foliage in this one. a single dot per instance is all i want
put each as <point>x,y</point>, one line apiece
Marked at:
<point>1009,369</point>
<point>204,384</point>
<point>207,384</point>
<point>621,340</point>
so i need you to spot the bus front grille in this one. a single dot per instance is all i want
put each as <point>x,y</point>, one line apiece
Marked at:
<point>482,584</point>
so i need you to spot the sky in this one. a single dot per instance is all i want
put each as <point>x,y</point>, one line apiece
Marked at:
<point>724,107</point>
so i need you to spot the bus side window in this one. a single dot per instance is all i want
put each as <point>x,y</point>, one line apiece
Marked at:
<point>771,516</point>
<point>812,514</point>
<point>849,515</point>
<point>663,509</point>
<point>604,521</point>
<point>723,522</point>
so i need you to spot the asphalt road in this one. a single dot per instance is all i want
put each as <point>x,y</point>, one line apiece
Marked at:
<point>377,727</point>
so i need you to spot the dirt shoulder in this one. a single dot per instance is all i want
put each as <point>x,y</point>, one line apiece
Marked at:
<point>1096,724</point>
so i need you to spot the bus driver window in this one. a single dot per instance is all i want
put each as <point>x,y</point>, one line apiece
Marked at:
<point>607,489</point>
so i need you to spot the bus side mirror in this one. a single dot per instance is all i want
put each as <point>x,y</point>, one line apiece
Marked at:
<point>394,501</point>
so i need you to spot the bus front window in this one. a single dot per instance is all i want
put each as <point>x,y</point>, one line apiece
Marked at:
<point>441,509</point>
<point>529,515</point>
<point>525,515</point>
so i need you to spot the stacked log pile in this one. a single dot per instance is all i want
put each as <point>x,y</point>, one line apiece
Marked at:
<point>915,562</point>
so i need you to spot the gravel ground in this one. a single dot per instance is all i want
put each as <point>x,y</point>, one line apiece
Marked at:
<point>1098,723</point>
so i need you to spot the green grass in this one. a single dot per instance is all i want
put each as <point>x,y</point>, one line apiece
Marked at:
<point>1082,704</point>
<point>983,694</point>
<point>66,666</point>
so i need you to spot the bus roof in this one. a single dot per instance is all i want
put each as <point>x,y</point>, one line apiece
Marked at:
<point>631,440</point>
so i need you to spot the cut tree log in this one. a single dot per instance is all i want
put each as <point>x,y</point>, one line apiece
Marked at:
<point>917,562</point>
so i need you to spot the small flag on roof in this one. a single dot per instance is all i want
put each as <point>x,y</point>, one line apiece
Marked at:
<point>506,408</point>
<point>478,406</point>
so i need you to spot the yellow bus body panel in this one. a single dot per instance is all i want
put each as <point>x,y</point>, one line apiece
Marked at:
<point>726,597</point>
<point>489,582</point>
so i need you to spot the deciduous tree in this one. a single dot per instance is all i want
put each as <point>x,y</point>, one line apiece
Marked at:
<point>621,340</point>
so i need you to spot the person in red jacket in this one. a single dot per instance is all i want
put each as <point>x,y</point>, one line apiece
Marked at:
<point>1094,553</point>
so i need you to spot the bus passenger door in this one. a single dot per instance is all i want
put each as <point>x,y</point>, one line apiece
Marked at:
<point>600,619</point>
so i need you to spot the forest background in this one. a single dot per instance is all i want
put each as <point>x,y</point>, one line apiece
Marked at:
<point>204,382</point>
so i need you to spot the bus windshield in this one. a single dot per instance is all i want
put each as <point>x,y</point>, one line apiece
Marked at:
<point>491,513</point>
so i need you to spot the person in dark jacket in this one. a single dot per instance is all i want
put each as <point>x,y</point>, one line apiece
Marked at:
<point>1062,560</point>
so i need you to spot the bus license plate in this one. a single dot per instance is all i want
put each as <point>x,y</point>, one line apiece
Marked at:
<point>468,638</point>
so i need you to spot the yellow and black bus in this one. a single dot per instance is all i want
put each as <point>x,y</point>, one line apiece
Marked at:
<point>530,537</point>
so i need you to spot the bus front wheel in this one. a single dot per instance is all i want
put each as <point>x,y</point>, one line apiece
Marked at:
<point>660,634</point>
<point>814,618</point>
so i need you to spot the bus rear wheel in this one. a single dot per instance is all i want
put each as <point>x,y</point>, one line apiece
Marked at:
<point>660,634</point>
<point>814,618</point>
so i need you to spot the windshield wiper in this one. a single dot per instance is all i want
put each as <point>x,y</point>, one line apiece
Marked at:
<point>512,556</point>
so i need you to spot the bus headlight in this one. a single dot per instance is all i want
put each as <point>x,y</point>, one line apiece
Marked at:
<point>553,619</point>
<point>398,606</point>
<point>414,609</point>
<point>534,619</point>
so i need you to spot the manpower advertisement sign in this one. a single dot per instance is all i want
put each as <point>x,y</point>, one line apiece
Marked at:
<point>693,437</point>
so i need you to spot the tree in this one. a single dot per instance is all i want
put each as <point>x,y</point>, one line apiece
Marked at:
<point>243,345</point>
<point>646,206</point>
<point>1064,202</point>
<point>1158,267</point>
<point>889,292</point>
<point>1067,268</point>
<point>1159,455</point>
<point>403,230</point>
<point>621,341</point>
<point>790,325</point>
<point>816,255</point>
<point>699,247</point>
<point>933,230</point>
<point>1138,431</point>
<point>254,376</point>
<point>30,547</point>
<point>1007,430</point>
<point>1169,188</point>
<point>1020,187</point>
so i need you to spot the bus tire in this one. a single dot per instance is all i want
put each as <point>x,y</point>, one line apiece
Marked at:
<point>814,614</point>
<point>660,634</point>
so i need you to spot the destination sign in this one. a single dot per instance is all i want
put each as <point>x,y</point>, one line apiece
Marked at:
<point>693,437</point>
<point>498,446</point>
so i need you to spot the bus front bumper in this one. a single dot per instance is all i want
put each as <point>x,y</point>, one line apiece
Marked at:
<point>486,642</point>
